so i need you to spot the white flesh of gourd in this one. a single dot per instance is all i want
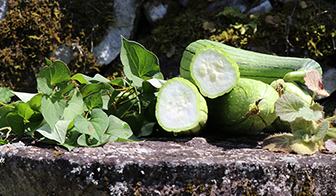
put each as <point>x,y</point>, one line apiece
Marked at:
<point>213,72</point>
<point>178,106</point>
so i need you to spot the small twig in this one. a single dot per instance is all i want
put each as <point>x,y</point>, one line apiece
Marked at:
<point>287,31</point>
<point>94,8</point>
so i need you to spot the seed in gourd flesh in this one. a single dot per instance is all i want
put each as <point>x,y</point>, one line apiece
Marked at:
<point>202,70</point>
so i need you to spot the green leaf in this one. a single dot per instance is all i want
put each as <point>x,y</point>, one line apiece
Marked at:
<point>302,124</point>
<point>49,62</point>
<point>82,140</point>
<point>316,107</point>
<point>96,88</point>
<point>321,131</point>
<point>52,108</point>
<point>135,122</point>
<point>35,103</point>
<point>57,132</point>
<point>287,107</point>
<point>139,63</point>
<point>23,110</point>
<point>25,97</point>
<point>99,78</point>
<point>95,126</point>
<point>15,121</point>
<point>303,135</point>
<point>50,77</point>
<point>278,142</point>
<point>93,101</point>
<point>309,114</point>
<point>81,78</point>
<point>156,82</point>
<point>118,129</point>
<point>5,95</point>
<point>74,105</point>
<point>71,141</point>
<point>118,82</point>
<point>146,129</point>
<point>4,111</point>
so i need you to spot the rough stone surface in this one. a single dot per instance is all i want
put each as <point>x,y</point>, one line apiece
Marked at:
<point>203,166</point>
<point>263,8</point>
<point>3,9</point>
<point>155,10</point>
<point>125,14</point>
<point>329,80</point>
<point>63,53</point>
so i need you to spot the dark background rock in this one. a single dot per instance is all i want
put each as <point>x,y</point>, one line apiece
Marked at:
<point>185,166</point>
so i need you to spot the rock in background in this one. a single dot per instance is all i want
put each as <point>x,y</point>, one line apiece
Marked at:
<point>3,8</point>
<point>125,14</point>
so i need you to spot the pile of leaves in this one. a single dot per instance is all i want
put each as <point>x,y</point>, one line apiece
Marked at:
<point>80,110</point>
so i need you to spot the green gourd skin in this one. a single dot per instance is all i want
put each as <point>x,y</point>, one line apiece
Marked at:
<point>263,67</point>
<point>248,108</point>
<point>292,88</point>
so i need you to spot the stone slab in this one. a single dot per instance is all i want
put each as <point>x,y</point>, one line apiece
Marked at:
<point>188,166</point>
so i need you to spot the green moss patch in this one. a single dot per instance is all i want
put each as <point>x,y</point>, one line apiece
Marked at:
<point>32,30</point>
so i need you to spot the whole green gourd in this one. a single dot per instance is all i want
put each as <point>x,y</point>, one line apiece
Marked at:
<point>247,108</point>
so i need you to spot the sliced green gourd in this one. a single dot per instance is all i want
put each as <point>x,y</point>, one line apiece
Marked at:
<point>213,72</point>
<point>263,67</point>
<point>180,108</point>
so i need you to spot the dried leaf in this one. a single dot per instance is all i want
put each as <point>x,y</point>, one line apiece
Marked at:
<point>305,148</point>
<point>313,81</point>
<point>278,142</point>
<point>330,145</point>
<point>209,26</point>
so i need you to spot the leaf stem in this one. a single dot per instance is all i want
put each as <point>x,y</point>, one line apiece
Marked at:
<point>9,130</point>
<point>113,102</point>
<point>312,100</point>
<point>128,100</point>
<point>138,100</point>
<point>123,115</point>
<point>330,118</point>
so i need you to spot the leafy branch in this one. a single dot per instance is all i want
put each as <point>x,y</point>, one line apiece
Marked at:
<point>80,110</point>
